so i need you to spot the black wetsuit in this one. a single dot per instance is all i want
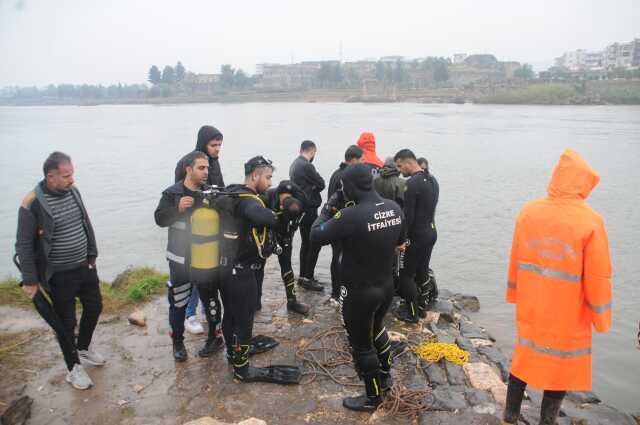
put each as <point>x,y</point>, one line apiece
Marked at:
<point>335,184</point>
<point>239,287</point>
<point>370,231</point>
<point>420,200</point>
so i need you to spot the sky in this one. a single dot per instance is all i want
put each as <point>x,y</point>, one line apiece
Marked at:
<point>116,41</point>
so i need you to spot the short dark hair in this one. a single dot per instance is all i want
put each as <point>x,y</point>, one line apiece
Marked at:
<point>353,152</point>
<point>423,160</point>
<point>404,154</point>
<point>189,160</point>
<point>53,161</point>
<point>307,145</point>
<point>257,162</point>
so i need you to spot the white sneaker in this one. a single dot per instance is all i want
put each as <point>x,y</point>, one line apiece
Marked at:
<point>91,358</point>
<point>78,378</point>
<point>193,326</point>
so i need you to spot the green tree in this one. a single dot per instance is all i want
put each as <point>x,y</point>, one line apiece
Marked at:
<point>154,75</point>
<point>240,79</point>
<point>440,70</point>
<point>399,73</point>
<point>525,72</point>
<point>180,71</point>
<point>227,74</point>
<point>168,75</point>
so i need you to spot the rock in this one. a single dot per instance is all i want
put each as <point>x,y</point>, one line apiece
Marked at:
<point>583,397</point>
<point>415,380</point>
<point>444,294</point>
<point>465,344</point>
<point>397,336</point>
<point>443,398</point>
<point>252,421</point>
<point>210,421</point>
<point>432,317</point>
<point>137,318</point>
<point>18,412</point>
<point>138,388</point>
<point>465,416</point>
<point>476,397</point>
<point>307,321</point>
<point>109,319</point>
<point>483,377</point>
<point>496,357</point>
<point>469,330</point>
<point>455,373</point>
<point>487,409</point>
<point>445,308</point>
<point>467,302</point>
<point>434,372</point>
<point>600,414</point>
<point>480,342</point>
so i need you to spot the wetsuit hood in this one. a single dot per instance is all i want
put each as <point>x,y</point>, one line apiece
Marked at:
<point>367,142</point>
<point>389,169</point>
<point>357,182</point>
<point>205,135</point>
<point>285,186</point>
<point>572,178</point>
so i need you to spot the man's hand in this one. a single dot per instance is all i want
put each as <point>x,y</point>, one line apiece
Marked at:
<point>185,202</point>
<point>30,290</point>
<point>402,248</point>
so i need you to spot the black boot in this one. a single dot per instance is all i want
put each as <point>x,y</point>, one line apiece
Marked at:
<point>406,312</point>
<point>310,285</point>
<point>515,393</point>
<point>179,351</point>
<point>385,356</point>
<point>550,409</point>
<point>292,301</point>
<point>427,294</point>
<point>213,344</point>
<point>370,372</point>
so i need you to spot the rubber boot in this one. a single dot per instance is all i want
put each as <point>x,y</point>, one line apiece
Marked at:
<point>427,294</point>
<point>550,409</point>
<point>407,313</point>
<point>310,285</point>
<point>213,344</point>
<point>369,368</point>
<point>290,290</point>
<point>385,356</point>
<point>179,351</point>
<point>515,393</point>
<point>240,361</point>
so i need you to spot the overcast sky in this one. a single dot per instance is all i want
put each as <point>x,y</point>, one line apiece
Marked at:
<point>110,41</point>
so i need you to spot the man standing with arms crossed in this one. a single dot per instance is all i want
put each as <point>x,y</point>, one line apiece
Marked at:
<point>57,250</point>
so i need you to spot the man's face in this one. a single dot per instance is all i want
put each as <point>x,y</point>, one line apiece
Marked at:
<point>213,148</point>
<point>264,176</point>
<point>424,166</point>
<point>62,178</point>
<point>312,155</point>
<point>199,173</point>
<point>404,166</point>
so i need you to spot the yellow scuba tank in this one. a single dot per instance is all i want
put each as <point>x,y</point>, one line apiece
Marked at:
<point>205,245</point>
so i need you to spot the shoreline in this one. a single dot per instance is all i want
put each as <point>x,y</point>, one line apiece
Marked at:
<point>139,383</point>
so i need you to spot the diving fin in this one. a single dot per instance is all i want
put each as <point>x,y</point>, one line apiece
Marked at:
<point>274,374</point>
<point>261,343</point>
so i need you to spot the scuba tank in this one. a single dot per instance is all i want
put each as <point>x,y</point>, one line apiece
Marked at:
<point>205,243</point>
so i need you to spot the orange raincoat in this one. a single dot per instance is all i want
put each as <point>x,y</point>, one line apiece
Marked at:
<point>367,142</point>
<point>560,281</point>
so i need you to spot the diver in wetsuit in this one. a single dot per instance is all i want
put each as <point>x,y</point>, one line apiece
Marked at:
<point>287,200</point>
<point>420,200</point>
<point>239,287</point>
<point>370,231</point>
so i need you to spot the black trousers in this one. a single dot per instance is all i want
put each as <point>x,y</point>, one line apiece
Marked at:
<point>284,260</point>
<point>363,310</point>
<point>415,269</point>
<point>65,287</point>
<point>239,295</point>
<point>336,259</point>
<point>308,251</point>
<point>209,295</point>
<point>178,293</point>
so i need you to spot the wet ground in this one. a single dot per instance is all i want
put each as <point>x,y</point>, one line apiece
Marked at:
<point>141,384</point>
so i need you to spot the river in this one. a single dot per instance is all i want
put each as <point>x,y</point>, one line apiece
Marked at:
<point>489,160</point>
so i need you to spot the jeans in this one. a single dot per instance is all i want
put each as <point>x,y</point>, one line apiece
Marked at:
<point>193,303</point>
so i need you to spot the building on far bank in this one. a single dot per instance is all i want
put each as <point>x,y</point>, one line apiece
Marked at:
<point>458,58</point>
<point>615,55</point>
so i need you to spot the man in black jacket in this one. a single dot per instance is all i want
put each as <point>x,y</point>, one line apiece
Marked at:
<point>174,212</point>
<point>57,250</point>
<point>420,200</point>
<point>304,174</point>
<point>209,142</point>
<point>352,155</point>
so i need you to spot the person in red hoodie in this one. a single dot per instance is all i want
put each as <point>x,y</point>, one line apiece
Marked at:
<point>367,142</point>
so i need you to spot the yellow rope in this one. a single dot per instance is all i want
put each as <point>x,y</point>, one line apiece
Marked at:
<point>434,351</point>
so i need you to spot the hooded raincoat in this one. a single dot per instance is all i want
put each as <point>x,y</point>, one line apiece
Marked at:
<point>367,142</point>
<point>560,281</point>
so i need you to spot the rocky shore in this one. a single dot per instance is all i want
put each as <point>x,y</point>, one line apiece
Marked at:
<point>141,384</point>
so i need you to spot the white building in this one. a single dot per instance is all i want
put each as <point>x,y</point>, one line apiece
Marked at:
<point>459,58</point>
